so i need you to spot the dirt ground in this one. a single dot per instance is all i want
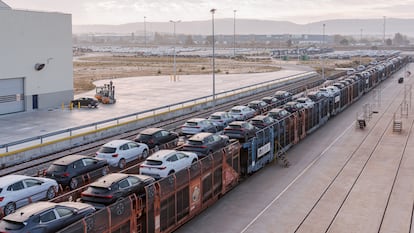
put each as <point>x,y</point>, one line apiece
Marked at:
<point>97,66</point>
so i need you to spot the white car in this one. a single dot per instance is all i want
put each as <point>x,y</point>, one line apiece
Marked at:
<point>18,190</point>
<point>119,152</point>
<point>242,113</point>
<point>198,125</point>
<point>306,102</point>
<point>165,162</point>
<point>327,92</point>
<point>221,118</point>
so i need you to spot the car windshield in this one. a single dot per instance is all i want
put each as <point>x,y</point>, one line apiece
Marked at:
<point>190,123</point>
<point>143,137</point>
<point>235,126</point>
<point>257,122</point>
<point>215,117</point>
<point>56,168</point>
<point>195,142</point>
<point>106,149</point>
<point>153,162</point>
<point>11,225</point>
<point>235,110</point>
<point>98,190</point>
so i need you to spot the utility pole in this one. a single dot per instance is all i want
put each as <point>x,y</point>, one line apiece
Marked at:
<point>383,35</point>
<point>145,32</point>
<point>323,57</point>
<point>234,33</point>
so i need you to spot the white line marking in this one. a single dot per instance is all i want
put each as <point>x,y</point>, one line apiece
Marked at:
<point>297,177</point>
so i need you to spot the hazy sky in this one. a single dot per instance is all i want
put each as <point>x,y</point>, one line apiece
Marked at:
<point>298,11</point>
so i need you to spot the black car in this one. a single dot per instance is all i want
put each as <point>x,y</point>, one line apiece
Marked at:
<point>259,106</point>
<point>278,113</point>
<point>271,101</point>
<point>293,106</point>
<point>240,130</point>
<point>155,137</point>
<point>113,187</point>
<point>67,170</point>
<point>283,96</point>
<point>85,102</point>
<point>45,217</point>
<point>205,143</point>
<point>262,121</point>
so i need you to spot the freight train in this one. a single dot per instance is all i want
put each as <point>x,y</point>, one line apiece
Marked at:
<point>170,202</point>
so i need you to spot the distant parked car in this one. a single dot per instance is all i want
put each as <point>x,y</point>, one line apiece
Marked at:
<point>283,96</point>
<point>120,152</point>
<point>113,187</point>
<point>242,113</point>
<point>278,113</point>
<point>85,102</point>
<point>306,102</point>
<point>65,170</point>
<point>221,118</point>
<point>155,137</point>
<point>198,125</point>
<point>205,143</point>
<point>166,162</point>
<point>258,105</point>
<point>262,121</point>
<point>293,106</point>
<point>240,130</point>
<point>45,217</point>
<point>18,190</point>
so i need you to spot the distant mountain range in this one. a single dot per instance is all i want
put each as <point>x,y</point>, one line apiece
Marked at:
<point>372,27</point>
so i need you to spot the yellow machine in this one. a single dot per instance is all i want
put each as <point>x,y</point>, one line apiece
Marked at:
<point>106,93</point>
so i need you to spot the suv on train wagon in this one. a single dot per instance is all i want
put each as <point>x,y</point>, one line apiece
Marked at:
<point>66,170</point>
<point>45,217</point>
<point>115,186</point>
<point>283,96</point>
<point>205,143</point>
<point>166,162</point>
<point>155,137</point>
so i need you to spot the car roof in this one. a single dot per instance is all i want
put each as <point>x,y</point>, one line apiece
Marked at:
<point>116,143</point>
<point>150,131</point>
<point>196,119</point>
<point>69,159</point>
<point>26,212</point>
<point>303,99</point>
<point>276,109</point>
<point>109,179</point>
<point>238,107</point>
<point>281,92</point>
<point>218,113</point>
<point>199,136</point>
<point>291,103</point>
<point>237,123</point>
<point>11,179</point>
<point>260,117</point>
<point>161,154</point>
<point>256,101</point>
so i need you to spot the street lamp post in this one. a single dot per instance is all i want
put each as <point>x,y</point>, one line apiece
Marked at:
<point>175,42</point>
<point>145,32</point>
<point>323,58</point>
<point>234,33</point>
<point>214,62</point>
<point>360,54</point>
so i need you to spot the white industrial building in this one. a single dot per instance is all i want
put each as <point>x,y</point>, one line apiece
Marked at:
<point>36,70</point>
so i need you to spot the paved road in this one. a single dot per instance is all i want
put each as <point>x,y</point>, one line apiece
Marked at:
<point>342,179</point>
<point>133,95</point>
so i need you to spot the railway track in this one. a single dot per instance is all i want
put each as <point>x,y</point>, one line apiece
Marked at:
<point>355,160</point>
<point>33,167</point>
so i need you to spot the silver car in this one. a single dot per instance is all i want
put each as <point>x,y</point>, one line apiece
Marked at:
<point>242,113</point>
<point>221,118</point>
<point>18,190</point>
<point>198,125</point>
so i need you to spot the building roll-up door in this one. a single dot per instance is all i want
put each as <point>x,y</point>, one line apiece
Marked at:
<point>11,95</point>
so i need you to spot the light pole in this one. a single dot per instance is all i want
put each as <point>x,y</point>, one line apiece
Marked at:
<point>175,42</point>
<point>214,62</point>
<point>234,33</point>
<point>323,58</point>
<point>145,32</point>
<point>360,54</point>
